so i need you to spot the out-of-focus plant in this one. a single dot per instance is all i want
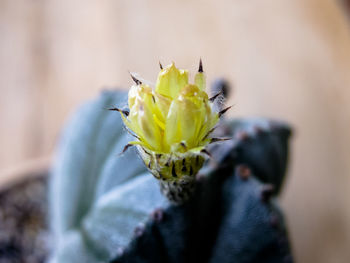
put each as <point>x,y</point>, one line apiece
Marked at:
<point>108,208</point>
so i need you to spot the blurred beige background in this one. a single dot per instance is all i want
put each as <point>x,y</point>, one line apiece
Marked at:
<point>287,59</point>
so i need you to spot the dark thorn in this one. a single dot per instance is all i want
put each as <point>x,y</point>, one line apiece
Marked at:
<point>224,110</point>
<point>243,171</point>
<point>209,132</point>
<point>149,165</point>
<point>138,82</point>
<point>200,69</point>
<point>154,100</point>
<point>125,112</point>
<point>206,152</point>
<point>173,172</point>
<point>191,170</point>
<point>131,133</point>
<point>221,85</point>
<point>157,215</point>
<point>160,65</point>
<point>125,148</point>
<point>139,230</point>
<point>213,140</point>
<point>183,145</point>
<point>168,161</point>
<point>242,135</point>
<point>183,166</point>
<point>214,97</point>
<point>266,192</point>
<point>146,151</point>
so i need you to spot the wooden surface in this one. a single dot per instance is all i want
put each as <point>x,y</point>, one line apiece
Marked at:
<point>287,59</point>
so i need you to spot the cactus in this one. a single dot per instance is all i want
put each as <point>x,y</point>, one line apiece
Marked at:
<point>233,216</point>
<point>107,208</point>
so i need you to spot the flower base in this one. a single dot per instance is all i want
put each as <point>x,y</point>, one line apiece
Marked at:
<point>178,191</point>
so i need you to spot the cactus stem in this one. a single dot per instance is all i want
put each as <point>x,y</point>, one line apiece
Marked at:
<point>243,172</point>
<point>157,215</point>
<point>139,230</point>
<point>266,192</point>
<point>200,177</point>
<point>178,191</point>
<point>242,136</point>
<point>258,129</point>
<point>274,221</point>
<point>288,259</point>
<point>120,251</point>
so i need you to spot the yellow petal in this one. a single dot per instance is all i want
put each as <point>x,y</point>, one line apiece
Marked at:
<point>171,80</point>
<point>172,127</point>
<point>150,129</point>
<point>163,104</point>
<point>193,93</point>
<point>190,119</point>
<point>138,92</point>
<point>184,122</point>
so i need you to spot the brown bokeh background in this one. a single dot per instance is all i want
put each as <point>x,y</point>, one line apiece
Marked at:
<point>286,59</point>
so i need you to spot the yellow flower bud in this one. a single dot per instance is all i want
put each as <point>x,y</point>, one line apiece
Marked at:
<point>172,123</point>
